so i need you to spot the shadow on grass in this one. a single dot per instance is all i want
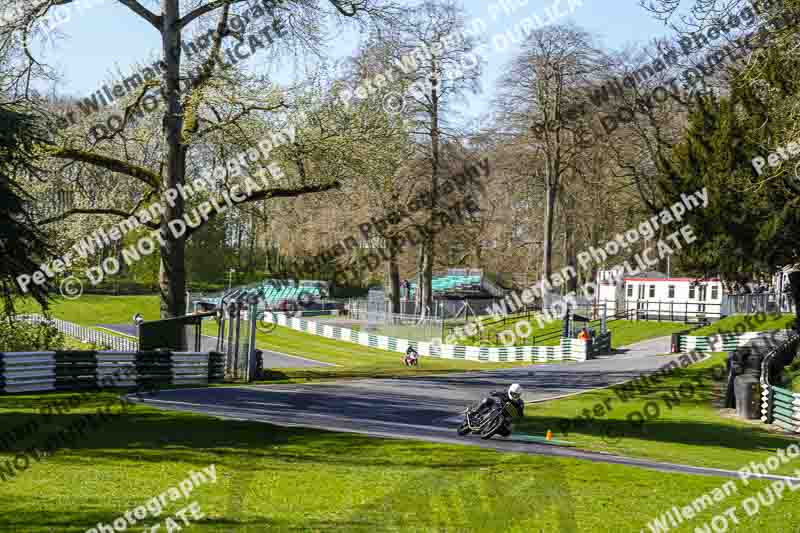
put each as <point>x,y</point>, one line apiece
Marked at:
<point>146,435</point>
<point>687,432</point>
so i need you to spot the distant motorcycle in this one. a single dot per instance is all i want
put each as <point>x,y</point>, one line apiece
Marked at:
<point>411,358</point>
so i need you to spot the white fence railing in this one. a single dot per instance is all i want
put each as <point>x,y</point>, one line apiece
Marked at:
<point>567,350</point>
<point>84,334</point>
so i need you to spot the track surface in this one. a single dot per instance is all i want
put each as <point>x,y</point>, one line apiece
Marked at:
<point>428,408</point>
<point>271,359</point>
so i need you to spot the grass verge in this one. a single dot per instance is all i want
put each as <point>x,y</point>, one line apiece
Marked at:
<point>623,332</point>
<point>689,430</point>
<point>93,309</point>
<point>291,479</point>
<point>742,323</point>
<point>353,360</point>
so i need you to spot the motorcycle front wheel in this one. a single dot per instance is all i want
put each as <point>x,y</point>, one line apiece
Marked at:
<point>492,429</point>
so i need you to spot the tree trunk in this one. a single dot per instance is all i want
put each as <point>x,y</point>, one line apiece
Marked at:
<point>394,285</point>
<point>547,244</point>
<point>428,246</point>
<point>172,277</point>
<point>570,258</point>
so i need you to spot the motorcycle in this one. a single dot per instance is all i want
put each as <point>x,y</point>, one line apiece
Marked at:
<point>411,359</point>
<point>497,420</point>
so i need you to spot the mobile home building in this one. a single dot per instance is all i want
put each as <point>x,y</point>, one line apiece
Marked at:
<point>656,296</point>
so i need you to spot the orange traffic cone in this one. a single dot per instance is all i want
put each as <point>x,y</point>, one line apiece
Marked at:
<point>549,435</point>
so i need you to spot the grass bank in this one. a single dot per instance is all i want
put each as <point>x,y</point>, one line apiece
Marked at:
<point>291,479</point>
<point>742,323</point>
<point>680,423</point>
<point>353,360</point>
<point>623,332</point>
<point>93,309</point>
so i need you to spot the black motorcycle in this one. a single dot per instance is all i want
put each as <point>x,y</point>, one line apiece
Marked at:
<point>495,421</point>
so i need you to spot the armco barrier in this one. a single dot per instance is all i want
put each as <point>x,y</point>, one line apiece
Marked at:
<point>568,350</point>
<point>76,370</point>
<point>726,342</point>
<point>779,406</point>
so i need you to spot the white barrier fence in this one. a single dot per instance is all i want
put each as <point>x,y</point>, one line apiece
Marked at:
<point>568,350</point>
<point>726,342</point>
<point>84,334</point>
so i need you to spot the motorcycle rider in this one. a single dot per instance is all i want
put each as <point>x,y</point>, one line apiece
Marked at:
<point>411,356</point>
<point>512,396</point>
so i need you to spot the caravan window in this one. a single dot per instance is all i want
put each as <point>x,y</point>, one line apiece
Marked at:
<point>715,292</point>
<point>652,291</point>
<point>691,292</point>
<point>702,296</point>
<point>671,289</point>
<point>630,291</point>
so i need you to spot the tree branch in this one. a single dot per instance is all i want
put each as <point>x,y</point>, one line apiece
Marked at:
<point>202,10</point>
<point>146,14</point>
<point>278,192</point>
<point>97,211</point>
<point>340,8</point>
<point>109,163</point>
<point>246,111</point>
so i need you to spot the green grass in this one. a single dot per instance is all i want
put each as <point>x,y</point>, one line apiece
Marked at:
<point>626,332</point>
<point>354,360</point>
<point>747,323</point>
<point>791,375</point>
<point>93,309</point>
<point>291,479</point>
<point>691,431</point>
<point>623,332</point>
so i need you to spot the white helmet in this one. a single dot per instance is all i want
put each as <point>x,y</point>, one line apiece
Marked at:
<point>515,391</point>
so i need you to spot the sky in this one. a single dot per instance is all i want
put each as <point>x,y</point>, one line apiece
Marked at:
<point>101,36</point>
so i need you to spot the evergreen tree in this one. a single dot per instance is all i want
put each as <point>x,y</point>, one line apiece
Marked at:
<point>752,221</point>
<point>22,245</point>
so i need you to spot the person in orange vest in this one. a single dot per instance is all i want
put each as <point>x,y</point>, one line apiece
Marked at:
<point>583,335</point>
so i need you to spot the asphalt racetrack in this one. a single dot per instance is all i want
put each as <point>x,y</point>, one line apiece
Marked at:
<point>427,408</point>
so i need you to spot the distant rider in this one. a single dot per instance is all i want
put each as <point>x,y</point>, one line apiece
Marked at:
<point>411,356</point>
<point>515,409</point>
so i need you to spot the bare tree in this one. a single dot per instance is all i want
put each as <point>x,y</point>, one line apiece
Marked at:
<point>436,54</point>
<point>535,98</point>
<point>213,105</point>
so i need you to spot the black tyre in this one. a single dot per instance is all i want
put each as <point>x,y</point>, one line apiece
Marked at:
<point>463,429</point>
<point>492,428</point>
